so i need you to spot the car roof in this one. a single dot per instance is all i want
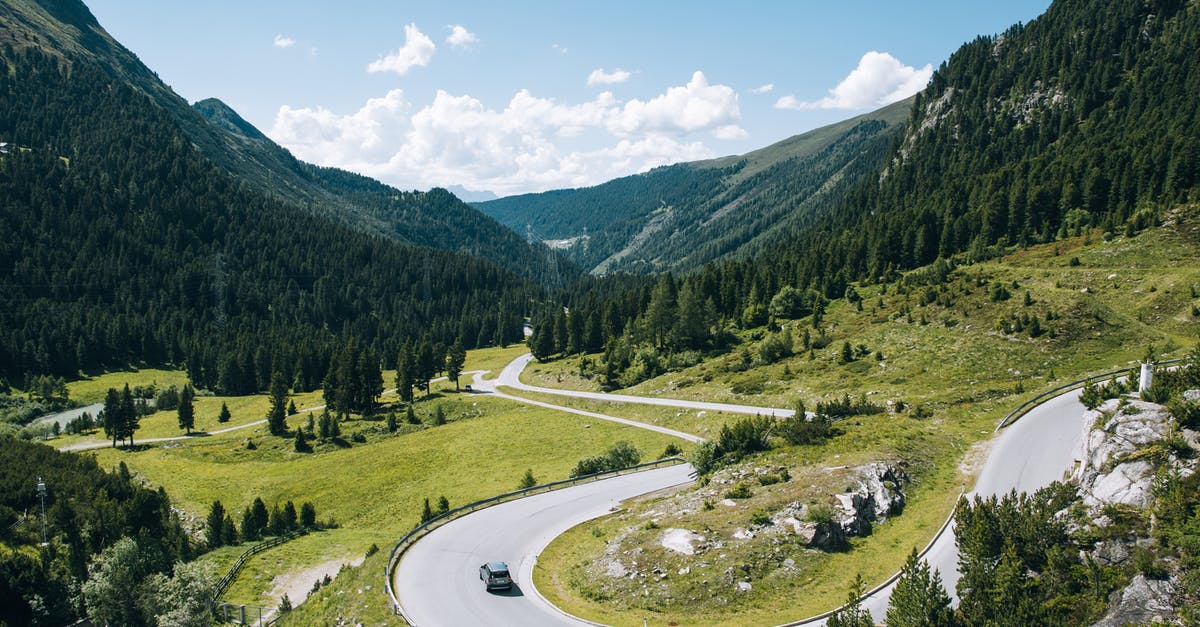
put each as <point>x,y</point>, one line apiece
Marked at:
<point>497,566</point>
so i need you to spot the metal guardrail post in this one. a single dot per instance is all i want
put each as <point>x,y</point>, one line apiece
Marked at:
<point>1021,410</point>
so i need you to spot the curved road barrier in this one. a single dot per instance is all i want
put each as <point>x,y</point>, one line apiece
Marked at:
<point>425,528</point>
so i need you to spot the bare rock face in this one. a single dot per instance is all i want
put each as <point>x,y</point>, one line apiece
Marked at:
<point>1142,602</point>
<point>1111,470</point>
<point>878,495</point>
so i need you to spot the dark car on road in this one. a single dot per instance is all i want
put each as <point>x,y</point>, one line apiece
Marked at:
<point>495,575</point>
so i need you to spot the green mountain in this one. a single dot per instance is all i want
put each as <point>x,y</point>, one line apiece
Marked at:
<point>1086,117</point>
<point>680,217</point>
<point>67,30</point>
<point>139,230</point>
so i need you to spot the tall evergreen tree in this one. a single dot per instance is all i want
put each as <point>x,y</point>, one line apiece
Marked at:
<point>186,412</point>
<point>224,415</point>
<point>455,359</point>
<point>215,527</point>
<point>852,614</point>
<point>918,598</point>
<point>660,313</point>
<point>426,366</point>
<point>406,372</point>
<point>130,416</point>
<point>277,415</point>
<point>112,419</point>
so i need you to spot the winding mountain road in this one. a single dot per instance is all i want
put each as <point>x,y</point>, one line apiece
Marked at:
<point>437,583</point>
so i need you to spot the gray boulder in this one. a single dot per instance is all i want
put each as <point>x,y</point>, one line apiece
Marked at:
<point>1110,470</point>
<point>1142,602</point>
<point>879,494</point>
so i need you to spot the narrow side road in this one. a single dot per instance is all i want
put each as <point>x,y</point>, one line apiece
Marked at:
<point>510,377</point>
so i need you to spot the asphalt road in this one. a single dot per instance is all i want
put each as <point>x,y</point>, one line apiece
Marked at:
<point>1030,454</point>
<point>438,583</point>
<point>510,377</point>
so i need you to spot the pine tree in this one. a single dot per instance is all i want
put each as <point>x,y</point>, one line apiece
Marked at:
<point>277,416</point>
<point>215,527</point>
<point>260,517</point>
<point>224,415</point>
<point>426,365</point>
<point>439,416</point>
<point>426,512</point>
<point>323,426</point>
<point>291,410</point>
<point>129,415</point>
<point>660,313</point>
<point>186,412</point>
<point>918,598</point>
<point>406,372</point>
<point>852,613</point>
<point>229,535</point>
<point>308,515</point>
<point>391,422</point>
<point>249,528</point>
<point>289,515</point>
<point>300,444</point>
<point>113,422</point>
<point>443,505</point>
<point>455,359</point>
<point>411,416</point>
<point>527,480</point>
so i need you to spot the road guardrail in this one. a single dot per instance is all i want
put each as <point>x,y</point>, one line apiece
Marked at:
<point>424,528</point>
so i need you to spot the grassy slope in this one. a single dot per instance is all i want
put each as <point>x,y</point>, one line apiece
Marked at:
<point>375,490</point>
<point>1139,291</point>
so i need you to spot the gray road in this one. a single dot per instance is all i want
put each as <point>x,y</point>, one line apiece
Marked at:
<point>1030,454</point>
<point>437,581</point>
<point>510,377</point>
<point>1027,455</point>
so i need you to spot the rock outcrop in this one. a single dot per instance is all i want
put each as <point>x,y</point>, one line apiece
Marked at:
<point>1142,602</point>
<point>878,495</point>
<point>1114,466</point>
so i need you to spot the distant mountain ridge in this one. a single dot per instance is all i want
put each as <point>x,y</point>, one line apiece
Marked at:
<point>683,216</point>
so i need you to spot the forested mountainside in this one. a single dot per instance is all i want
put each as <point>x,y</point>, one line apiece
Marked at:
<point>1084,119</point>
<point>435,218</point>
<point>1086,116</point>
<point>682,216</point>
<point>67,30</point>
<point>126,244</point>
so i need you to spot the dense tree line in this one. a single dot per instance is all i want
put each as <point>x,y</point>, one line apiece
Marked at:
<point>126,245</point>
<point>88,511</point>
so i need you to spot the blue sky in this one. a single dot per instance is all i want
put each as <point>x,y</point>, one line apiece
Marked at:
<point>527,96</point>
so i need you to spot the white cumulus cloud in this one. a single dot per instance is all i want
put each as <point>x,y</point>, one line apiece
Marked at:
<point>763,89</point>
<point>417,50</point>
<point>284,42</point>
<point>460,37</point>
<point>601,77</point>
<point>686,109</point>
<point>878,80</point>
<point>529,144</point>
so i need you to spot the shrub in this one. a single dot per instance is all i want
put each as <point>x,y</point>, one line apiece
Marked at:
<point>819,513</point>
<point>739,491</point>
<point>761,519</point>
<point>671,451</point>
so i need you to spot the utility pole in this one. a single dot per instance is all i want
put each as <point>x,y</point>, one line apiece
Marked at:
<point>41,488</point>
